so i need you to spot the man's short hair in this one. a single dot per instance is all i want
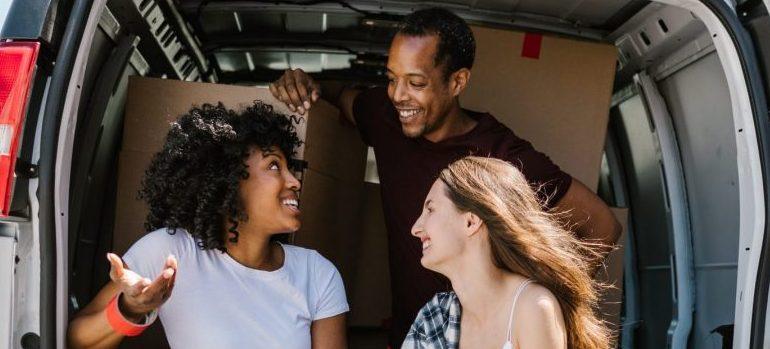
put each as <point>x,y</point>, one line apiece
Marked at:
<point>456,47</point>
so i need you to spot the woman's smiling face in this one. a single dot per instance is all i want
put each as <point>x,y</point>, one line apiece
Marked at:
<point>441,228</point>
<point>270,193</point>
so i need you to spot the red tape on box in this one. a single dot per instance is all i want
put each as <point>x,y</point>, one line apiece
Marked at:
<point>531,46</point>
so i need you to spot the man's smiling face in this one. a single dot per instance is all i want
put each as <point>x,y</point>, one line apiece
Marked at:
<point>417,87</point>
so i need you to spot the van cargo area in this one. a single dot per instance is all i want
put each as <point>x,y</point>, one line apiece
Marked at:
<point>637,99</point>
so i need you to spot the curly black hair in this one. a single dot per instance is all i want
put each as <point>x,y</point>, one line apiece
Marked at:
<point>193,182</point>
<point>456,47</point>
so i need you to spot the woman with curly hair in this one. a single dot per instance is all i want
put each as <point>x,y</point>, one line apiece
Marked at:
<point>219,192</point>
<point>519,280</point>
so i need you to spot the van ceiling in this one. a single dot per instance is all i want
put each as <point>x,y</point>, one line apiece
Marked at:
<point>254,41</point>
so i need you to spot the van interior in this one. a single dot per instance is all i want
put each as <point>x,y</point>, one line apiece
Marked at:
<point>668,154</point>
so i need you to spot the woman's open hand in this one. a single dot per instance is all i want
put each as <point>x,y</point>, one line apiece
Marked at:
<point>140,294</point>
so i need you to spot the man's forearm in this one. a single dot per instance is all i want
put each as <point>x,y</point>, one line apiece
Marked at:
<point>341,96</point>
<point>604,231</point>
<point>591,220</point>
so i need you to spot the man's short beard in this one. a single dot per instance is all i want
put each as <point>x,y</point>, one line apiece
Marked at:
<point>418,134</point>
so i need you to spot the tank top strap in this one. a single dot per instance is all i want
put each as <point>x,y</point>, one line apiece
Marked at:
<point>516,295</point>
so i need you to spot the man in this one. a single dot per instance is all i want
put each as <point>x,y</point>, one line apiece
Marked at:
<point>417,127</point>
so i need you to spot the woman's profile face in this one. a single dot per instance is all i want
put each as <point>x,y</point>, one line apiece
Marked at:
<point>270,193</point>
<point>441,228</point>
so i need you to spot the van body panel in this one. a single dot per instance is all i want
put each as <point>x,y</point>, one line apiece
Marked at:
<point>649,222</point>
<point>29,20</point>
<point>759,27</point>
<point>758,24</point>
<point>63,164</point>
<point>698,101</point>
<point>677,213</point>
<point>7,254</point>
<point>53,318</point>
<point>736,52</point>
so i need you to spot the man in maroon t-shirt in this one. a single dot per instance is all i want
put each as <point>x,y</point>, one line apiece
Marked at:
<point>417,127</point>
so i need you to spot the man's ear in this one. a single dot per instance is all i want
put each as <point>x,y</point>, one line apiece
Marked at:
<point>472,223</point>
<point>459,81</point>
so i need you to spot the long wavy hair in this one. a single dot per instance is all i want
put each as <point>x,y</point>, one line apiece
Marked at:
<point>530,242</point>
<point>193,183</point>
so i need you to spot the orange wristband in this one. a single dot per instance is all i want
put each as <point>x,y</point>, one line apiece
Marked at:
<point>119,323</point>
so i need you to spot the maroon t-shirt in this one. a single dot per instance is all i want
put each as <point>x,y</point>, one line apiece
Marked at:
<point>408,167</point>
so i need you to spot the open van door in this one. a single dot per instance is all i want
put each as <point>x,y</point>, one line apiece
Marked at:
<point>754,17</point>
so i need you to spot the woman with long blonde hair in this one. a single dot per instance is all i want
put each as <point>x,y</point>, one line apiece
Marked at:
<point>519,279</point>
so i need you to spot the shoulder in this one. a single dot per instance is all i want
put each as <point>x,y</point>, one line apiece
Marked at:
<point>443,299</point>
<point>440,304</point>
<point>543,313</point>
<point>440,314</point>
<point>373,95</point>
<point>371,101</point>
<point>147,255</point>
<point>164,238</point>
<point>538,299</point>
<point>504,143</point>
<point>314,261</point>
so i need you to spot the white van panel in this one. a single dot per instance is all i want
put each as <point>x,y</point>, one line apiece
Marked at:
<point>62,170</point>
<point>8,254</point>
<point>698,102</point>
<point>750,181</point>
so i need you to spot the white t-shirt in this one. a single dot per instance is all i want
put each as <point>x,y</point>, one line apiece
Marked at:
<point>220,303</point>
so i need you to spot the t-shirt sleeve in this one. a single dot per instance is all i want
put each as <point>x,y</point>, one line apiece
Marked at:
<point>330,291</point>
<point>546,178</point>
<point>148,255</point>
<point>367,112</point>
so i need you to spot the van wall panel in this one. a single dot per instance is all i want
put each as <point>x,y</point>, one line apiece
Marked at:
<point>699,103</point>
<point>649,221</point>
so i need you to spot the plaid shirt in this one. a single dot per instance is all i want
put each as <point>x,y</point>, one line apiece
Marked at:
<point>437,325</point>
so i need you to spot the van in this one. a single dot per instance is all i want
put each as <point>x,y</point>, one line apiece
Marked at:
<point>686,151</point>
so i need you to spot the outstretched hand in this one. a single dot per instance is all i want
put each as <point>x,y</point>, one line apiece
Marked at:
<point>140,294</point>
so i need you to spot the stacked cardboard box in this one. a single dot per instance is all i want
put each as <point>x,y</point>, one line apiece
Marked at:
<point>370,300</point>
<point>332,192</point>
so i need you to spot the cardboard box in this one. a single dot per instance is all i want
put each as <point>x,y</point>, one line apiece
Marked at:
<point>333,145</point>
<point>152,104</point>
<point>370,296</point>
<point>559,100</point>
<point>331,220</point>
<point>130,212</point>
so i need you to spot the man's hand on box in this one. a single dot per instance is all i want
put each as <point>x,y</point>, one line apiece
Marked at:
<point>297,89</point>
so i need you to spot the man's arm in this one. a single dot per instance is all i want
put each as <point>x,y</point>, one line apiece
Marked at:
<point>590,218</point>
<point>299,91</point>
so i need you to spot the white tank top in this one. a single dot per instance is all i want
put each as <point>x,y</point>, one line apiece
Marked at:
<point>509,337</point>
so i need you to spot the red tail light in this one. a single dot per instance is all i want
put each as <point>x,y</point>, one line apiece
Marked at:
<point>17,63</point>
